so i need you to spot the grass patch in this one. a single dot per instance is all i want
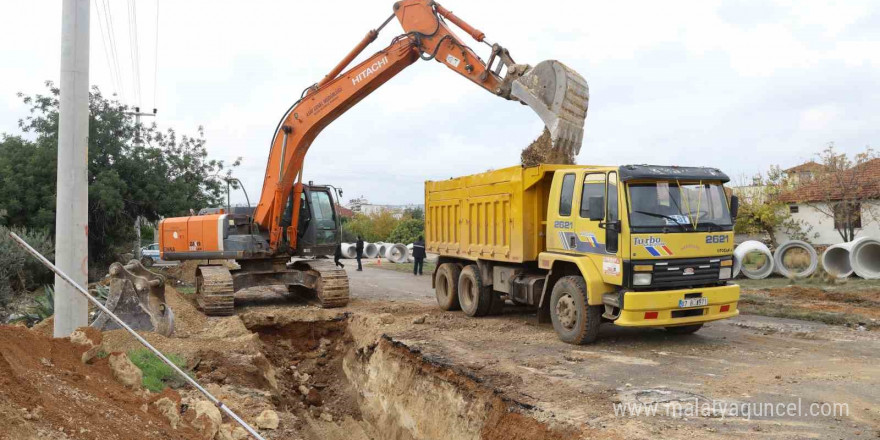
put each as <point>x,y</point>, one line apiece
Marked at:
<point>850,284</point>
<point>753,304</point>
<point>186,290</point>
<point>427,267</point>
<point>157,375</point>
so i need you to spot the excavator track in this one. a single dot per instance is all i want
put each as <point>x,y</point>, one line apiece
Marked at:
<point>214,292</point>
<point>331,287</point>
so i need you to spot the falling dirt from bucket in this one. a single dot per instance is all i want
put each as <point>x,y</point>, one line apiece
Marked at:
<point>541,151</point>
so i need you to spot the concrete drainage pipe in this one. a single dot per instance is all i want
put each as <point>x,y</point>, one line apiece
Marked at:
<point>381,247</point>
<point>349,250</point>
<point>748,247</point>
<point>864,257</point>
<point>836,261</point>
<point>371,250</point>
<point>795,272</point>
<point>396,253</point>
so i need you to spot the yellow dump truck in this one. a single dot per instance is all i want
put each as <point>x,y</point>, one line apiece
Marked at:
<point>635,245</point>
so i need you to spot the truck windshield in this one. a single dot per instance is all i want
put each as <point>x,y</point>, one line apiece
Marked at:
<point>685,206</point>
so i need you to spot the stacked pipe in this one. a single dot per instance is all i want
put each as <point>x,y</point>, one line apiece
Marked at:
<point>393,252</point>
<point>860,256</point>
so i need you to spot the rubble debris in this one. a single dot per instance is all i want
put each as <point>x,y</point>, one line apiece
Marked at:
<point>125,371</point>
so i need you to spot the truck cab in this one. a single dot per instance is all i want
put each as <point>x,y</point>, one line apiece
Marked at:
<point>653,245</point>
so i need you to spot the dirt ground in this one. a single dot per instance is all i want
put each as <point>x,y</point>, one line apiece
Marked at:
<point>391,365</point>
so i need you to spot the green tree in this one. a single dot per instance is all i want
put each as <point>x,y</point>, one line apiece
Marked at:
<point>374,227</point>
<point>415,213</point>
<point>762,212</point>
<point>407,231</point>
<point>164,175</point>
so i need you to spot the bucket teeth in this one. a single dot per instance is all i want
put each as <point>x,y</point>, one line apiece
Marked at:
<point>560,97</point>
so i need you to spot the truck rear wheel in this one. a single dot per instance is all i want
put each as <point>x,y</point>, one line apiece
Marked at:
<point>475,299</point>
<point>684,329</point>
<point>574,320</point>
<point>446,286</point>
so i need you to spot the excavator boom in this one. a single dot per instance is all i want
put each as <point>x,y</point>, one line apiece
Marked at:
<point>262,241</point>
<point>556,93</point>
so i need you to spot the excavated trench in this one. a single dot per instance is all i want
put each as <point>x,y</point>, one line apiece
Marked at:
<point>345,381</point>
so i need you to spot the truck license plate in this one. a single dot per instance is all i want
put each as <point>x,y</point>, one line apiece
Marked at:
<point>693,302</point>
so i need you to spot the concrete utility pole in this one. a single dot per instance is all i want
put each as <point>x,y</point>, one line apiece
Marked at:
<point>72,203</point>
<point>138,141</point>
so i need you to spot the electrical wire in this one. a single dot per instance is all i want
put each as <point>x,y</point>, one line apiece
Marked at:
<point>106,52</point>
<point>111,34</point>
<point>156,57</point>
<point>133,51</point>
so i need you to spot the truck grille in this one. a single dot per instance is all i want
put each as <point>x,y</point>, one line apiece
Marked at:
<point>685,272</point>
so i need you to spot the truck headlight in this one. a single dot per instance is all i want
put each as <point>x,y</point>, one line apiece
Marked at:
<point>642,279</point>
<point>724,273</point>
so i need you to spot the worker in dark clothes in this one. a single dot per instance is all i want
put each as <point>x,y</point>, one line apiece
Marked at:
<point>338,256</point>
<point>418,254</point>
<point>359,247</point>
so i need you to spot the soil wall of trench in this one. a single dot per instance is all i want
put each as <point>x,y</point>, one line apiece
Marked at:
<point>374,387</point>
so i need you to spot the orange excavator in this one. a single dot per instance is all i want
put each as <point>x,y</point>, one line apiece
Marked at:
<point>293,219</point>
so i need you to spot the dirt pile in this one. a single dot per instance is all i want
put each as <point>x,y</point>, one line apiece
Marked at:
<point>47,392</point>
<point>541,151</point>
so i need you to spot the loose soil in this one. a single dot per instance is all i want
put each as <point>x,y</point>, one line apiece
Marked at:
<point>858,307</point>
<point>541,151</point>
<point>47,392</point>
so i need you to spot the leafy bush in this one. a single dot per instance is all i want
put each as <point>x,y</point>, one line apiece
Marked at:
<point>157,374</point>
<point>44,308</point>
<point>19,271</point>
<point>407,231</point>
<point>373,227</point>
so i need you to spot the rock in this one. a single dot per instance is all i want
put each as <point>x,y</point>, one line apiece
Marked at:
<point>168,408</point>
<point>304,390</point>
<point>386,318</point>
<point>126,372</point>
<point>231,431</point>
<point>420,319</point>
<point>314,398</point>
<point>326,417</point>
<point>267,419</point>
<point>89,338</point>
<point>207,419</point>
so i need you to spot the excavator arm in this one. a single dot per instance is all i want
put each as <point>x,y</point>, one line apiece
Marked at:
<point>558,94</point>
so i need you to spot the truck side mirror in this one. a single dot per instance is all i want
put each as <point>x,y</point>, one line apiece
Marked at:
<point>734,207</point>
<point>597,208</point>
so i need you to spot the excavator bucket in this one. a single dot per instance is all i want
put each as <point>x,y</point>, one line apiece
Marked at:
<point>560,97</point>
<point>137,296</point>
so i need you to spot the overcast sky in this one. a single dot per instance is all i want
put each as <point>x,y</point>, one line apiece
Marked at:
<point>736,85</point>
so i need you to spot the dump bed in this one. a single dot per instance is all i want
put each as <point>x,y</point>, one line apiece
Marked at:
<point>497,215</point>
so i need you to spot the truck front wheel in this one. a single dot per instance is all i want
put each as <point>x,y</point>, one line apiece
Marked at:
<point>475,299</point>
<point>574,320</point>
<point>446,286</point>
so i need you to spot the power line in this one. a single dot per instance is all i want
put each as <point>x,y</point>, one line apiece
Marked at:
<point>111,32</point>
<point>133,51</point>
<point>156,57</point>
<point>104,44</point>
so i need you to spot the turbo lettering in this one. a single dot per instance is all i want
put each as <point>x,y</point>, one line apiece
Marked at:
<point>369,71</point>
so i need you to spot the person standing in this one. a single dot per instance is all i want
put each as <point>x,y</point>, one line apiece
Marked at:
<point>418,254</point>
<point>359,247</point>
<point>338,256</point>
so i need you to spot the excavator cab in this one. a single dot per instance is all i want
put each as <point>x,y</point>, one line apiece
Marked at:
<point>318,231</point>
